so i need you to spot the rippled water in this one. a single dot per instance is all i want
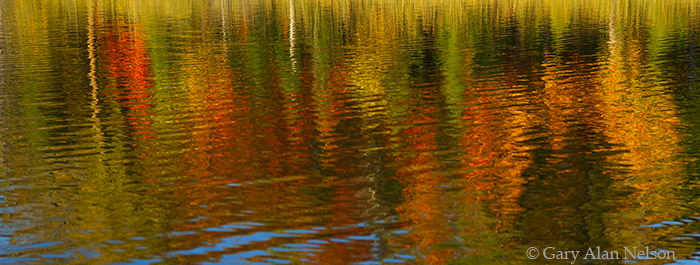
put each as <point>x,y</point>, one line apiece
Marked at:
<point>347,131</point>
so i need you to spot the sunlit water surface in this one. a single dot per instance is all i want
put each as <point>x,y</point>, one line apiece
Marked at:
<point>347,132</point>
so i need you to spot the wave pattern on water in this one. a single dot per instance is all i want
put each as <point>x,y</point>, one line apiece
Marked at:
<point>345,132</point>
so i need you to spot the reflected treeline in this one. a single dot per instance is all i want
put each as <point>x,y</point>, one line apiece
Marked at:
<point>336,132</point>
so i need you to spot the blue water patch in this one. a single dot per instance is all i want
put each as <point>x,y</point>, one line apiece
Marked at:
<point>371,237</point>
<point>368,263</point>
<point>403,256</point>
<point>672,223</point>
<point>141,261</point>
<point>237,262</point>
<point>247,239</point>
<point>393,261</point>
<point>235,226</point>
<point>55,256</point>
<point>317,241</point>
<point>338,240</point>
<point>226,228</point>
<point>16,260</point>
<point>196,251</point>
<point>33,246</point>
<point>7,210</point>
<point>216,229</point>
<point>653,226</point>
<point>5,241</point>
<point>301,231</point>
<point>230,242</point>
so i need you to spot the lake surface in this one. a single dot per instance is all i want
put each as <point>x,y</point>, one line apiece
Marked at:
<point>347,131</point>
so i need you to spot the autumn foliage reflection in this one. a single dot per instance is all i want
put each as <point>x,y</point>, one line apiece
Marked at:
<point>338,132</point>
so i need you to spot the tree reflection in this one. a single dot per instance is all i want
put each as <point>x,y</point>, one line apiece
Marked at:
<point>344,131</point>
